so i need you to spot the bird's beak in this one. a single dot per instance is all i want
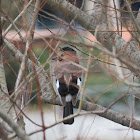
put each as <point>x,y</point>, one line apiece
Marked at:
<point>54,58</point>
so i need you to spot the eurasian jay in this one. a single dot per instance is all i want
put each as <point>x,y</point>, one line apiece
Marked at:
<point>67,80</point>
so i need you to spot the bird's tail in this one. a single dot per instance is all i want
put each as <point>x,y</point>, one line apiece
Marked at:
<point>68,110</point>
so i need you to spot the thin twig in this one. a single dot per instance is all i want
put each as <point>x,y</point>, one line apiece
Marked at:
<point>14,21</point>
<point>85,81</point>
<point>29,40</point>
<point>14,25</point>
<point>19,132</point>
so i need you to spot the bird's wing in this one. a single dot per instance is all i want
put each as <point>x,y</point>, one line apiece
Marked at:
<point>75,97</point>
<point>67,68</point>
<point>56,86</point>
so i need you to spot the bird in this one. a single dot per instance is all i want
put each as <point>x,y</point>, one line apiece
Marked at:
<point>68,80</point>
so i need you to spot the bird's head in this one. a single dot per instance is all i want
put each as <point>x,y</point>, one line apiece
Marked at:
<point>66,54</point>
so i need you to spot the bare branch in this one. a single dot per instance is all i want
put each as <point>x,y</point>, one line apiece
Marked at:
<point>3,133</point>
<point>101,111</point>
<point>88,22</point>
<point>19,132</point>
<point>132,16</point>
<point>45,87</point>
<point>29,40</point>
<point>9,27</point>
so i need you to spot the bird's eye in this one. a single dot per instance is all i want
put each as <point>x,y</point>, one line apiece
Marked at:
<point>60,59</point>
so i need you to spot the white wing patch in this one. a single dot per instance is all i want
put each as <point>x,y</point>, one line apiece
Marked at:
<point>78,82</point>
<point>57,84</point>
<point>75,98</point>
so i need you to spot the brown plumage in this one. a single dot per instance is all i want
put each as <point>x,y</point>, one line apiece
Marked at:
<point>66,66</point>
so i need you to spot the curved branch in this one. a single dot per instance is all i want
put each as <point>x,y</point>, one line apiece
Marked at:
<point>19,132</point>
<point>88,22</point>
<point>3,133</point>
<point>40,71</point>
<point>101,111</point>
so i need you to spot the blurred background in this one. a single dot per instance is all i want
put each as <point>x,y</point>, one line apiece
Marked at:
<point>102,87</point>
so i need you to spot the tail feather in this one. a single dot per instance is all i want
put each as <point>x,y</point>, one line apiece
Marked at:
<point>68,110</point>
